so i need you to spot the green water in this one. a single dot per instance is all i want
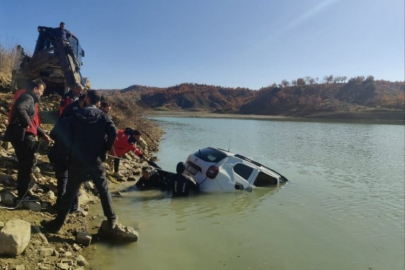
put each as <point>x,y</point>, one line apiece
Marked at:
<point>344,207</point>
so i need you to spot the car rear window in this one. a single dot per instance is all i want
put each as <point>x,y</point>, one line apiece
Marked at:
<point>210,155</point>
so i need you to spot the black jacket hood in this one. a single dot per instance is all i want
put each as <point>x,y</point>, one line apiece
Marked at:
<point>89,115</point>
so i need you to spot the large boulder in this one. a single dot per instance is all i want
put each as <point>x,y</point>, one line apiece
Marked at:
<point>120,233</point>
<point>14,237</point>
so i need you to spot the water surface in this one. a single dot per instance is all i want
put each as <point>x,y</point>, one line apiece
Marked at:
<point>344,207</point>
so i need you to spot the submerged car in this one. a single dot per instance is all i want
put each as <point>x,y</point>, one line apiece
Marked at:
<point>216,169</point>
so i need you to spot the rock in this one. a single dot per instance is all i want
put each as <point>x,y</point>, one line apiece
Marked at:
<point>19,267</point>
<point>1,225</point>
<point>89,185</point>
<point>46,252</point>
<point>131,178</point>
<point>67,254</point>
<point>43,238</point>
<point>33,206</point>
<point>7,145</point>
<point>120,233</point>
<point>83,238</point>
<point>36,170</point>
<point>81,261</point>
<point>64,266</point>
<point>67,261</point>
<point>76,247</point>
<point>14,237</point>
<point>84,198</point>
<point>8,198</point>
<point>51,195</point>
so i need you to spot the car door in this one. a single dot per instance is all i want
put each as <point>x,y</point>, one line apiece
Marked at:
<point>242,173</point>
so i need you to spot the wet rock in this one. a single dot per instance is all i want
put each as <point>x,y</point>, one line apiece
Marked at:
<point>14,237</point>
<point>83,238</point>
<point>120,233</point>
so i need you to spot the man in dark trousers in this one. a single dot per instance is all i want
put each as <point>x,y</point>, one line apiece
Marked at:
<point>181,184</point>
<point>59,153</point>
<point>91,133</point>
<point>21,132</point>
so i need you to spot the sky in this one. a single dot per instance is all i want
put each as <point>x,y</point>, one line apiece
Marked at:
<point>229,43</point>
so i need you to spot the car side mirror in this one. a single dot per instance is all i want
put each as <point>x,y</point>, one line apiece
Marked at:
<point>82,53</point>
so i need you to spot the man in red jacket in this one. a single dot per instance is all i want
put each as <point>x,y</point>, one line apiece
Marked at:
<point>22,130</point>
<point>124,143</point>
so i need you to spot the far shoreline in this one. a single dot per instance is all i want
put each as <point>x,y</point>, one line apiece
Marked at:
<point>372,117</point>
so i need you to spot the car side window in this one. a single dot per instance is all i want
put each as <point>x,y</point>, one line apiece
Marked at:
<point>264,180</point>
<point>243,170</point>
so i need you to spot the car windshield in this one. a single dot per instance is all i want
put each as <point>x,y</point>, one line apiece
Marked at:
<point>210,155</point>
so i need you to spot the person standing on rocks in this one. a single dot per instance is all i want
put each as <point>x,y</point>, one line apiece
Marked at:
<point>59,153</point>
<point>91,133</point>
<point>22,131</point>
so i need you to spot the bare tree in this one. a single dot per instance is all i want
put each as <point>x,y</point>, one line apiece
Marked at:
<point>300,81</point>
<point>285,83</point>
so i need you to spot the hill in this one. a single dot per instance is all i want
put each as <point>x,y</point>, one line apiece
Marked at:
<point>358,98</point>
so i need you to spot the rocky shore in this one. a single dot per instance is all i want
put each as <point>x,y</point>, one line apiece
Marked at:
<point>24,242</point>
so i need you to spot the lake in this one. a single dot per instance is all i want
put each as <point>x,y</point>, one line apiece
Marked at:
<point>343,207</point>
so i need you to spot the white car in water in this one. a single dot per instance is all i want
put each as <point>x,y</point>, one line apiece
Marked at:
<point>215,169</point>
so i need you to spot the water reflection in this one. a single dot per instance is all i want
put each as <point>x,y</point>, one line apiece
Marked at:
<point>219,207</point>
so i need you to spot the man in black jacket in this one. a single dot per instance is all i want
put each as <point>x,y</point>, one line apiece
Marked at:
<point>21,132</point>
<point>60,152</point>
<point>91,133</point>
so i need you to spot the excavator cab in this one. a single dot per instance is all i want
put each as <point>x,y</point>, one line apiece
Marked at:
<point>56,61</point>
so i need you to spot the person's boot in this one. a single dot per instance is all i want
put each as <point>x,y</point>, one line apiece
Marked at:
<point>112,223</point>
<point>51,226</point>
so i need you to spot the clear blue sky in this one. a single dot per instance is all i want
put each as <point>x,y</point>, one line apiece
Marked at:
<point>245,43</point>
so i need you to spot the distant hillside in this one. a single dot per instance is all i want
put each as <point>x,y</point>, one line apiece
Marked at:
<point>193,97</point>
<point>322,99</point>
<point>357,97</point>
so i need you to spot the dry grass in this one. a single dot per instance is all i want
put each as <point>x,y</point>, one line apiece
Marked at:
<point>127,113</point>
<point>7,54</point>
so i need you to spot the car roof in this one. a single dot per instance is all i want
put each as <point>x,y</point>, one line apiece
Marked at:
<point>247,160</point>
